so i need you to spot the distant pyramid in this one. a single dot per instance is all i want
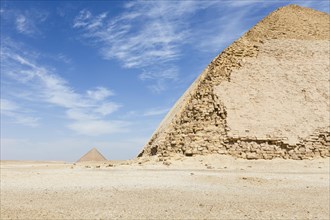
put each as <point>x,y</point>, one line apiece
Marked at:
<point>92,155</point>
<point>265,96</point>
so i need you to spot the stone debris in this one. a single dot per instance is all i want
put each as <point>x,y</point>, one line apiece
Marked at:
<point>197,124</point>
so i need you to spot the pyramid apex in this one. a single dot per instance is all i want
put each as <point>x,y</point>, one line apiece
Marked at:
<point>294,7</point>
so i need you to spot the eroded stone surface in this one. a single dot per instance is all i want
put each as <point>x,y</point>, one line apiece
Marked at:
<point>286,86</point>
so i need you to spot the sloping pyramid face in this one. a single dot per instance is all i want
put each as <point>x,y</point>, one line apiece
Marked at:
<point>92,155</point>
<point>265,96</point>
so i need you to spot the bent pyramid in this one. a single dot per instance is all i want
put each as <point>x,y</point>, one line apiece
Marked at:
<point>92,155</point>
<point>265,96</point>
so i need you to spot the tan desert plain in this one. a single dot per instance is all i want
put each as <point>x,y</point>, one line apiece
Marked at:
<point>249,139</point>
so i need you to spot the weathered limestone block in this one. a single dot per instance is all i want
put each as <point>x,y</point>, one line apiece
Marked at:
<point>251,156</point>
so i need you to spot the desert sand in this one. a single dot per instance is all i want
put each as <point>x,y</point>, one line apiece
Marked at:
<point>199,187</point>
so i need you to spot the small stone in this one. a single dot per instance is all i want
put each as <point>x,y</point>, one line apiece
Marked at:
<point>188,153</point>
<point>221,152</point>
<point>295,157</point>
<point>251,156</point>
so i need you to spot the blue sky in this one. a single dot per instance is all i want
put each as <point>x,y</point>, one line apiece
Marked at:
<point>83,74</point>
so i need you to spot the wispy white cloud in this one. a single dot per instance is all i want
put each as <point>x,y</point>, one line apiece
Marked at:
<point>147,34</point>
<point>7,105</point>
<point>159,86</point>
<point>82,18</point>
<point>160,75</point>
<point>154,41</point>
<point>25,119</point>
<point>26,22</point>
<point>86,20</point>
<point>107,108</point>
<point>21,24</point>
<point>100,93</point>
<point>98,127</point>
<point>143,114</point>
<point>89,108</point>
<point>17,113</point>
<point>80,114</point>
<point>62,58</point>
<point>171,72</point>
<point>156,111</point>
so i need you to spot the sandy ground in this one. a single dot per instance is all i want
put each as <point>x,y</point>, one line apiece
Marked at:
<point>221,188</point>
